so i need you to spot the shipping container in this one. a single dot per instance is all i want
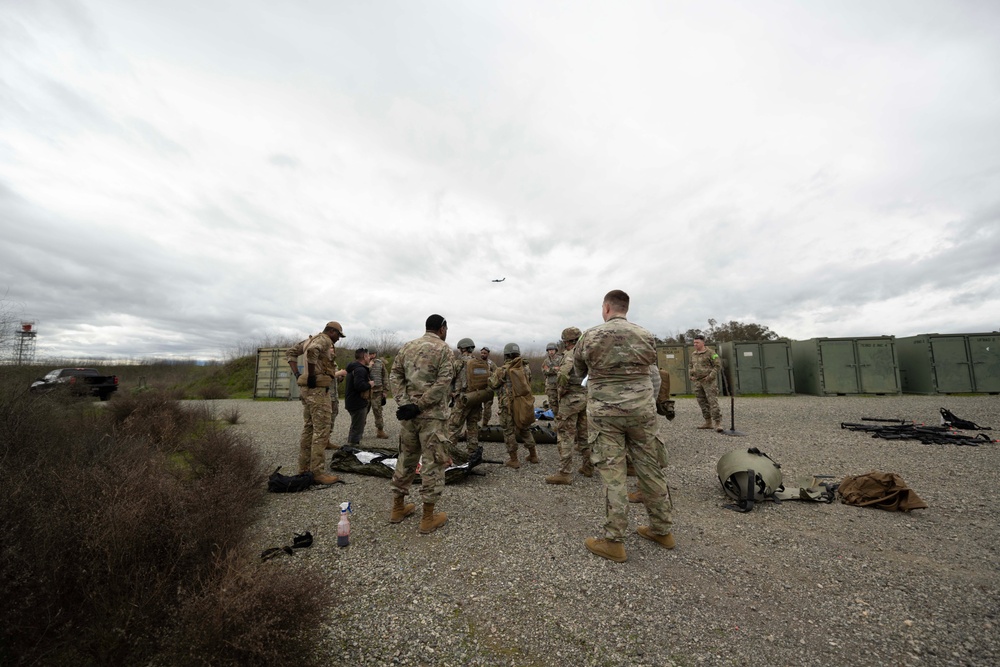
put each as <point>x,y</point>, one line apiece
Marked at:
<point>672,358</point>
<point>675,360</point>
<point>840,366</point>
<point>949,363</point>
<point>274,378</point>
<point>759,367</point>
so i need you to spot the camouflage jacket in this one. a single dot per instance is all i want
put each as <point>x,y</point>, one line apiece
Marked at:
<point>421,374</point>
<point>550,368</point>
<point>500,380</point>
<point>704,365</point>
<point>460,384</point>
<point>616,357</point>
<point>570,382</point>
<point>379,375</point>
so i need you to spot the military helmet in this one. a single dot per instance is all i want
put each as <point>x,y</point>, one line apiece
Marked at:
<point>464,343</point>
<point>551,346</point>
<point>571,333</point>
<point>735,470</point>
<point>511,349</point>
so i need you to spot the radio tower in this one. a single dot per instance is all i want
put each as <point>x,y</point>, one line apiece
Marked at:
<point>24,350</point>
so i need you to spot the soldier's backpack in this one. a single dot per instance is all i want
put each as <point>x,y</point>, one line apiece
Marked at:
<point>522,401</point>
<point>477,373</point>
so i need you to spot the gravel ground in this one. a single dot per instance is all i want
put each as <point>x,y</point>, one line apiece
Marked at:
<point>508,581</point>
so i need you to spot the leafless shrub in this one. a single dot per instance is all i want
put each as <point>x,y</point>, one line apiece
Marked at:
<point>231,415</point>
<point>124,539</point>
<point>213,392</point>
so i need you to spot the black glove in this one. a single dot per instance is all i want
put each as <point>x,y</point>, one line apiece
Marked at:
<point>407,412</point>
<point>383,400</point>
<point>311,381</point>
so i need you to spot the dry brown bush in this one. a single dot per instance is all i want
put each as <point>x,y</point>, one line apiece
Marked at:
<point>123,536</point>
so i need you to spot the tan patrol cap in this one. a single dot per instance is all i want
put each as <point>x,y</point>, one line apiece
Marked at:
<point>336,325</point>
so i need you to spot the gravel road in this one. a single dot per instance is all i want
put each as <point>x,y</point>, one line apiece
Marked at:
<point>508,581</point>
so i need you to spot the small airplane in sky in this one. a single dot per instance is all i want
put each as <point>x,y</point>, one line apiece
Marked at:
<point>499,280</point>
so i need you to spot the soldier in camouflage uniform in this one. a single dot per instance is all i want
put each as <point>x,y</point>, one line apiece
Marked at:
<point>704,372</point>
<point>292,355</point>
<point>464,415</point>
<point>488,403</point>
<point>571,421</point>
<point>500,382</point>
<point>380,376</point>
<point>616,357</point>
<point>420,380</point>
<point>550,369</point>
<point>321,372</point>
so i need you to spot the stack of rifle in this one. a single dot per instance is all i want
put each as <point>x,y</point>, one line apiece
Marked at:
<point>900,429</point>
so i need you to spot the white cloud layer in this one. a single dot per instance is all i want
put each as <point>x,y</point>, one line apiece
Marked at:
<point>175,177</point>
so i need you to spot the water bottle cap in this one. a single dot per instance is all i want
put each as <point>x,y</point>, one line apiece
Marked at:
<point>345,507</point>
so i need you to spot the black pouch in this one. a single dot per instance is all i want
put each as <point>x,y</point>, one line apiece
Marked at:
<point>278,483</point>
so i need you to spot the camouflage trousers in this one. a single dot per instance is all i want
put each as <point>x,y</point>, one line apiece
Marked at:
<point>571,425</point>
<point>707,394</point>
<point>552,393</point>
<point>375,404</point>
<point>610,439</point>
<point>511,434</point>
<point>487,411</point>
<point>316,411</point>
<point>423,441</point>
<point>465,416</point>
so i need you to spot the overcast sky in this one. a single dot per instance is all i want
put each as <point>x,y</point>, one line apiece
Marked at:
<point>179,176</point>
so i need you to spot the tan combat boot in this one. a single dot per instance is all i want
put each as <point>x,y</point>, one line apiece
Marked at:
<point>665,541</point>
<point>586,468</point>
<point>635,497</point>
<point>559,478</point>
<point>533,455</point>
<point>707,425</point>
<point>512,462</point>
<point>718,427</point>
<point>323,478</point>
<point>431,521</point>
<point>606,549</point>
<point>382,435</point>
<point>400,510</point>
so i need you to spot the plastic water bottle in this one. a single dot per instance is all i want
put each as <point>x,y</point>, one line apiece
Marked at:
<point>344,526</point>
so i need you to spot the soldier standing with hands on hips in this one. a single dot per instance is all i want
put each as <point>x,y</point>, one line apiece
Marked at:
<point>420,380</point>
<point>616,356</point>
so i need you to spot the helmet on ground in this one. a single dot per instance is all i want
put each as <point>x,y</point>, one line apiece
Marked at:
<point>748,475</point>
<point>571,333</point>
<point>551,346</point>
<point>511,349</point>
<point>464,343</point>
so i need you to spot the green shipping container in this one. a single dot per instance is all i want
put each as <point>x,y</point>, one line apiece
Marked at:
<point>759,367</point>
<point>274,378</point>
<point>675,359</point>
<point>840,366</point>
<point>949,363</point>
<point>672,358</point>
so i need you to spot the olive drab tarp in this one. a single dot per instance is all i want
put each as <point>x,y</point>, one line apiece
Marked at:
<point>882,490</point>
<point>544,434</point>
<point>382,463</point>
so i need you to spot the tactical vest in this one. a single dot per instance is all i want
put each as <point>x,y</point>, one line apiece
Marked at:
<point>477,373</point>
